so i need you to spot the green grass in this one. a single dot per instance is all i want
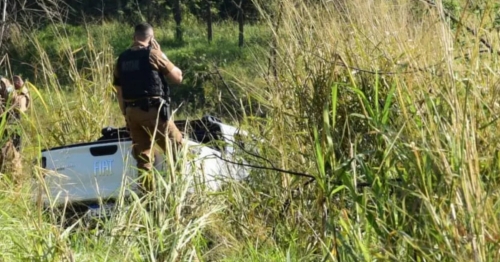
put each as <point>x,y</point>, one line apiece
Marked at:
<point>389,95</point>
<point>79,48</point>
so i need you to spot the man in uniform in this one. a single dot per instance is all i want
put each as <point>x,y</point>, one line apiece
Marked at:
<point>142,90</point>
<point>21,102</point>
<point>14,102</point>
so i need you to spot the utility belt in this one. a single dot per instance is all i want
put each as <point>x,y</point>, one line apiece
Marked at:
<point>145,103</point>
<point>151,102</point>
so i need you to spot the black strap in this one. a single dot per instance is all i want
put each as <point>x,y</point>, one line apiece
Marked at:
<point>166,89</point>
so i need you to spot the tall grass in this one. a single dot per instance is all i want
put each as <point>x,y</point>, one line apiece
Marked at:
<point>386,105</point>
<point>61,115</point>
<point>73,99</point>
<point>383,93</point>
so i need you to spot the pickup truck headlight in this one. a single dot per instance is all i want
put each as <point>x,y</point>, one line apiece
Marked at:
<point>43,162</point>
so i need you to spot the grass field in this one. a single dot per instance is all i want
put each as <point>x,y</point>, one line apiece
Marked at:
<point>390,106</point>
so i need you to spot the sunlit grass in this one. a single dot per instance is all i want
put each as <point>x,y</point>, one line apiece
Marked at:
<point>388,107</point>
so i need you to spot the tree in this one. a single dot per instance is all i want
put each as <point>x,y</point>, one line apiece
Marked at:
<point>241,22</point>
<point>4,19</point>
<point>208,7</point>
<point>178,19</point>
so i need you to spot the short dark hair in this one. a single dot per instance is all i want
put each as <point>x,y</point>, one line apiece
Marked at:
<point>142,28</point>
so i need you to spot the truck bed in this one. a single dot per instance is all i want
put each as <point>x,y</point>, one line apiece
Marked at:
<point>101,169</point>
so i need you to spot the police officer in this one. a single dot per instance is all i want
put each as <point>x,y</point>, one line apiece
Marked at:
<point>140,78</point>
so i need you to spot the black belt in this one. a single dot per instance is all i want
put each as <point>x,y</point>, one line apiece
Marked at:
<point>144,102</point>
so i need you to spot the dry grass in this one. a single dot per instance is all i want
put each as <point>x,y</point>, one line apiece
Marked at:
<point>381,93</point>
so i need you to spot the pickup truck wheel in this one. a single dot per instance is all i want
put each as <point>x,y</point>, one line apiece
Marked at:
<point>76,214</point>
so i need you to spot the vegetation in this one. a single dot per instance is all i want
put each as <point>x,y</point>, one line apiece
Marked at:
<point>376,125</point>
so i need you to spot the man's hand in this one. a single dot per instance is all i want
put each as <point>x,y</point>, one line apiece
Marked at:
<point>155,45</point>
<point>118,91</point>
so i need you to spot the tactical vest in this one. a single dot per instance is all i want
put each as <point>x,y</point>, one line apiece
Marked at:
<point>137,77</point>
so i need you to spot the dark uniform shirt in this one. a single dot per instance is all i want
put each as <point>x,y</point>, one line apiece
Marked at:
<point>157,60</point>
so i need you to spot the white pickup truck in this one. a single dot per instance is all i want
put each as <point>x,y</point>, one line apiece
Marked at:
<point>85,175</point>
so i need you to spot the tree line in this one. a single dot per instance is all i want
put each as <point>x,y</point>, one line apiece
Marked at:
<point>42,12</point>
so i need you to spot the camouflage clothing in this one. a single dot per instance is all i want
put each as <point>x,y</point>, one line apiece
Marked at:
<point>13,103</point>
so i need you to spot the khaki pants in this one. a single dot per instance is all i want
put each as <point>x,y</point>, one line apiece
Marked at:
<point>143,126</point>
<point>10,161</point>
